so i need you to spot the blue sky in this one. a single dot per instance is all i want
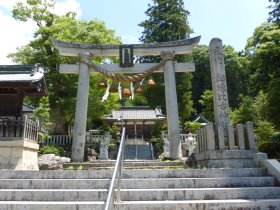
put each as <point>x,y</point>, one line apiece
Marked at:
<point>231,20</point>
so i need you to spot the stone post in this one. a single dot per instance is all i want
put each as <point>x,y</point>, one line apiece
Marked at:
<point>219,85</point>
<point>171,106</point>
<point>79,133</point>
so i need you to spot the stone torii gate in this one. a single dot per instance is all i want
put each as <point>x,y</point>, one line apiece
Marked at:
<point>167,50</point>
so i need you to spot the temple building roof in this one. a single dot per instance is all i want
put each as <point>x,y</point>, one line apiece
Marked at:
<point>17,81</point>
<point>141,113</point>
<point>22,79</point>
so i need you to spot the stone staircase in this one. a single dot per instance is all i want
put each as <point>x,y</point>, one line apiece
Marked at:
<point>138,152</point>
<point>238,188</point>
<point>137,149</point>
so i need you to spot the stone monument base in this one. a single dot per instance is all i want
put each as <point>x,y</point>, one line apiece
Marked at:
<point>226,159</point>
<point>19,154</point>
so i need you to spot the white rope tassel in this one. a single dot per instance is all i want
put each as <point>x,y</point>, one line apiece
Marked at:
<point>120,90</point>
<point>105,97</point>
<point>132,91</point>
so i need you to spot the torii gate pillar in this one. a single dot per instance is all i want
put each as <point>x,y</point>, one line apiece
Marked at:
<point>79,132</point>
<point>175,150</point>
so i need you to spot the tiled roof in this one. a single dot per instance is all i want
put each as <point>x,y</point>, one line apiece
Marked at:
<point>136,113</point>
<point>21,73</point>
<point>15,78</point>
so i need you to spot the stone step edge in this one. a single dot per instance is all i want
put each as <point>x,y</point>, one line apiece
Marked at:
<point>125,163</point>
<point>195,201</point>
<point>141,202</point>
<point>140,189</point>
<point>141,179</point>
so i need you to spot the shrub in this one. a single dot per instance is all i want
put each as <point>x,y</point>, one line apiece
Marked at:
<point>192,127</point>
<point>51,149</point>
<point>272,146</point>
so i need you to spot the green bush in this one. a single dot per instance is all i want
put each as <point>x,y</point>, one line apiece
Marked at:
<point>271,147</point>
<point>51,149</point>
<point>192,127</point>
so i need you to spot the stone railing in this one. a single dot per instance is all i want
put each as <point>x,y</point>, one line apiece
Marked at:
<point>14,129</point>
<point>62,140</point>
<point>188,143</point>
<point>59,140</point>
<point>212,138</point>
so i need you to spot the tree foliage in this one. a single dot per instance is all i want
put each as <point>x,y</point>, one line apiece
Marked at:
<point>263,53</point>
<point>42,113</point>
<point>207,104</point>
<point>167,21</point>
<point>62,88</point>
<point>274,14</point>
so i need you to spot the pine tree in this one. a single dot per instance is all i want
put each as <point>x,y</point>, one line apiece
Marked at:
<point>167,21</point>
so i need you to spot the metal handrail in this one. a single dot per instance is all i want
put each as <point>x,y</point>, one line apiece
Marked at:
<point>117,171</point>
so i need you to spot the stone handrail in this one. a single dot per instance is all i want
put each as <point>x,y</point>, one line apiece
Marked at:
<point>212,137</point>
<point>11,128</point>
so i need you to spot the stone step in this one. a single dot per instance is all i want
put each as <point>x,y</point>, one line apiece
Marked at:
<point>200,194</point>
<point>51,205</point>
<point>137,183</point>
<point>140,194</point>
<point>135,174</point>
<point>53,194</point>
<point>236,204</point>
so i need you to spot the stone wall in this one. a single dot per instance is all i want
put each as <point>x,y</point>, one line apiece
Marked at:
<point>19,154</point>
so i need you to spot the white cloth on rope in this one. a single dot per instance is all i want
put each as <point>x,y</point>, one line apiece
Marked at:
<point>132,91</point>
<point>105,97</point>
<point>120,90</point>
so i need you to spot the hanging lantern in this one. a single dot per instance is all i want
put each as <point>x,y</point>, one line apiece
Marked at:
<point>151,83</point>
<point>126,92</point>
<point>138,89</point>
<point>113,88</point>
<point>102,84</point>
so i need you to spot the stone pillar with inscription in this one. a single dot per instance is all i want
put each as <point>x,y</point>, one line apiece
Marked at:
<point>219,85</point>
<point>79,132</point>
<point>175,151</point>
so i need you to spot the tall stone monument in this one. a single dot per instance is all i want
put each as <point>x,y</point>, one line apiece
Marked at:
<point>219,84</point>
<point>220,145</point>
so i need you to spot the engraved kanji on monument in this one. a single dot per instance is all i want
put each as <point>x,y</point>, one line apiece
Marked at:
<point>219,84</point>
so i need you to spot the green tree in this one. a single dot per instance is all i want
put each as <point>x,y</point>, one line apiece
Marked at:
<point>263,51</point>
<point>236,73</point>
<point>201,80</point>
<point>244,113</point>
<point>62,88</point>
<point>167,21</point>
<point>274,14</point>
<point>207,104</point>
<point>42,113</point>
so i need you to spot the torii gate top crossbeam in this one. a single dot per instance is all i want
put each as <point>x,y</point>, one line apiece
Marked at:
<point>74,49</point>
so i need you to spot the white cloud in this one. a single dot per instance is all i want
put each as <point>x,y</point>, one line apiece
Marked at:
<point>61,8</point>
<point>8,4</point>
<point>15,33</point>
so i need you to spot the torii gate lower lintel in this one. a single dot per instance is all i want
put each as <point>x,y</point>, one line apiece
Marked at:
<point>167,50</point>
